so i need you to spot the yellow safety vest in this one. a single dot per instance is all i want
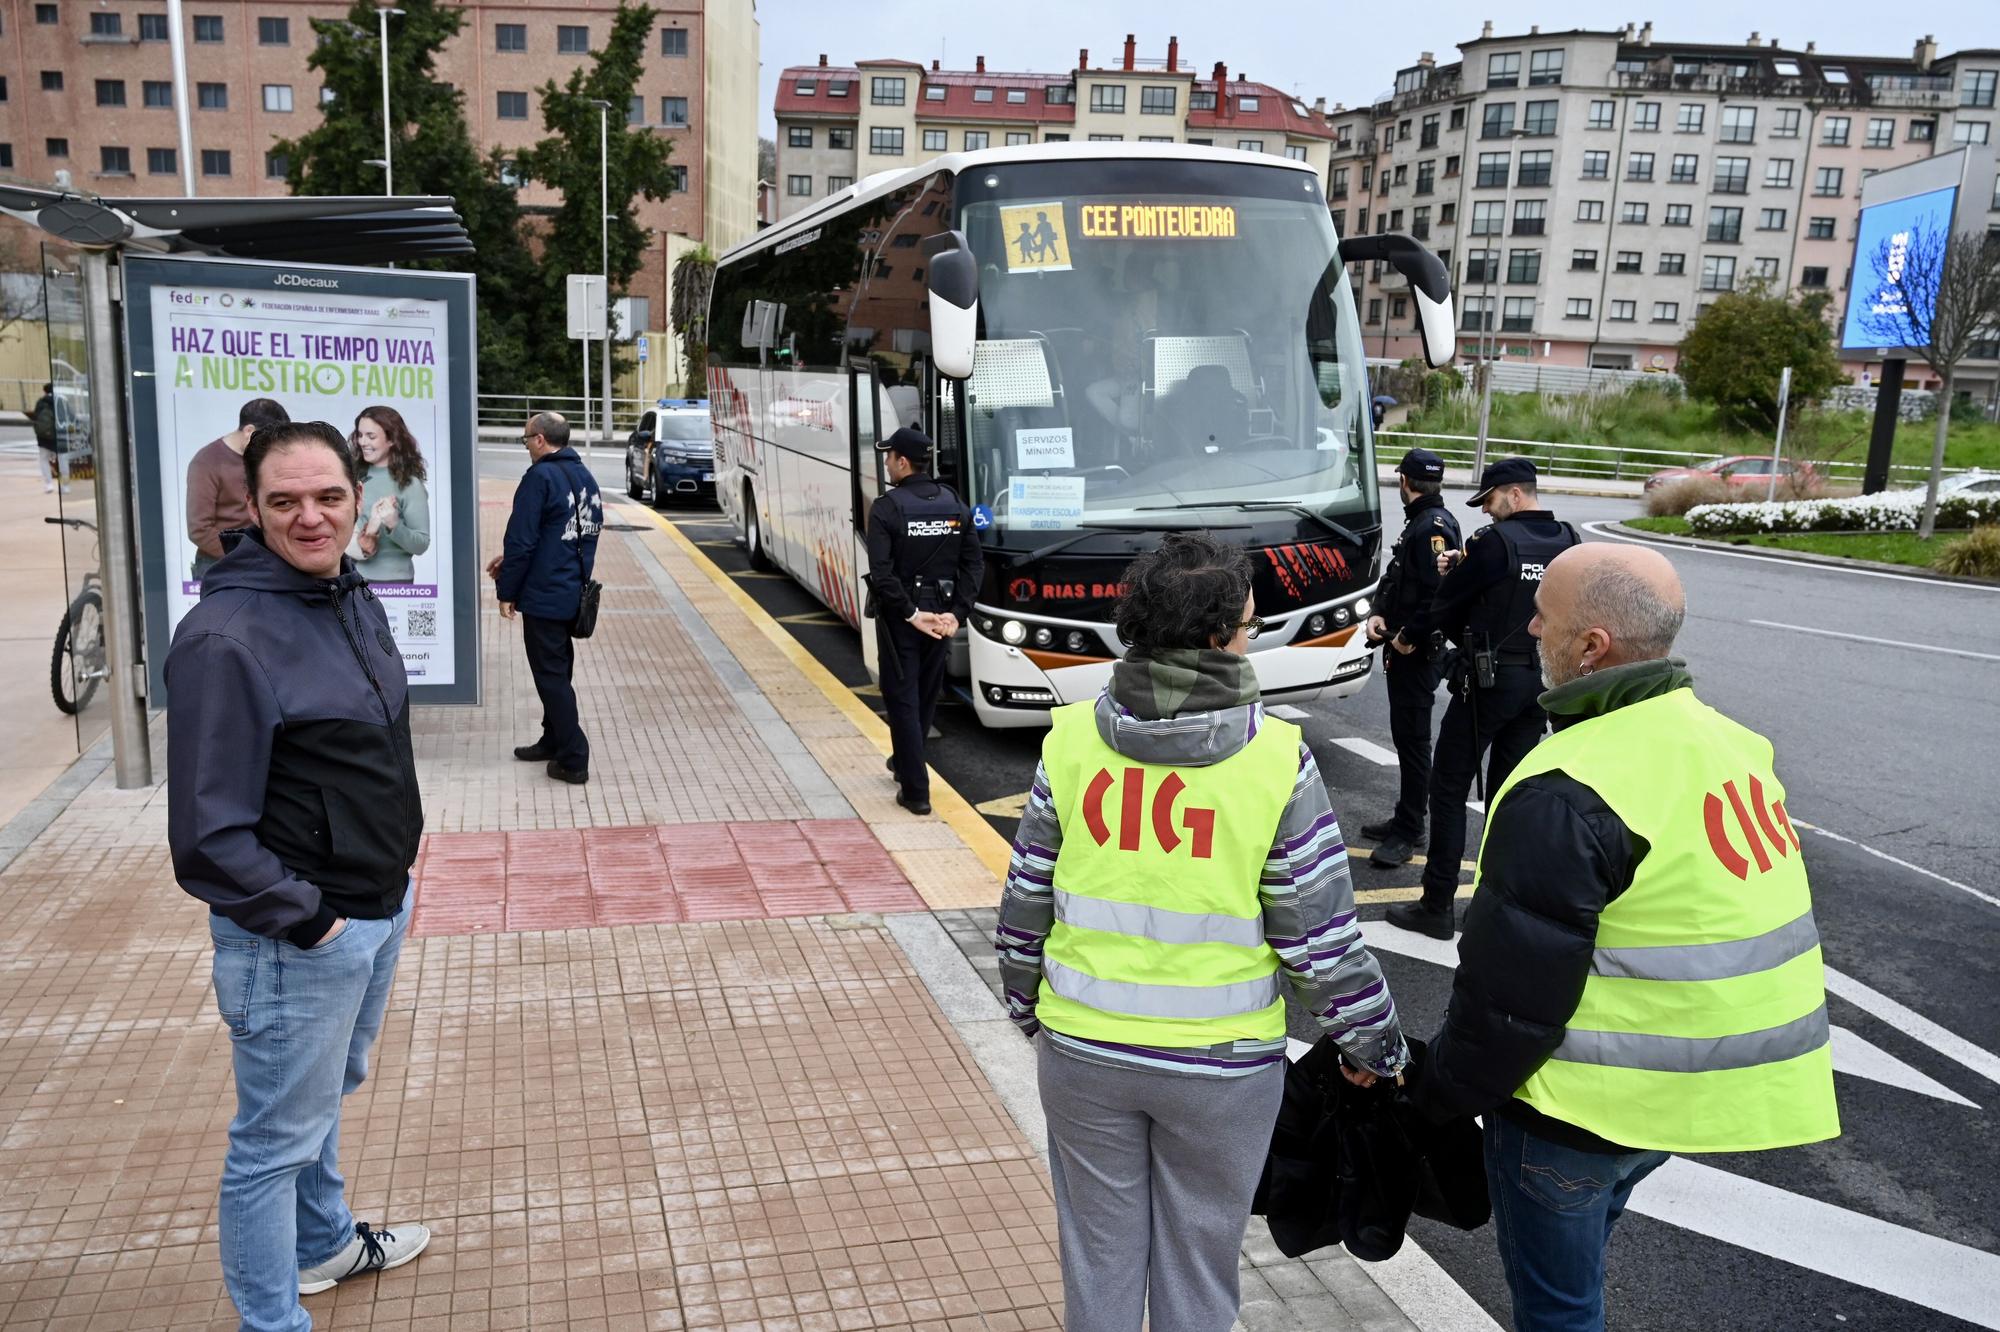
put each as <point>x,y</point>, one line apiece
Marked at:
<point>1159,931</point>
<point>1702,1026</point>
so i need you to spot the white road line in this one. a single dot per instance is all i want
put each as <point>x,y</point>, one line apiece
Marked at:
<point>1857,1055</point>
<point>1286,712</point>
<point>1953,1279</point>
<point>1597,529</point>
<point>1367,749</point>
<point>1885,642</point>
<point>1914,1025</point>
<point>1986,897</point>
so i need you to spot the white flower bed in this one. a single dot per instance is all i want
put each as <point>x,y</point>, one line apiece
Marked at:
<point>1890,511</point>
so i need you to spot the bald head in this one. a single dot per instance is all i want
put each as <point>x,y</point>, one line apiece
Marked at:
<point>1605,604</point>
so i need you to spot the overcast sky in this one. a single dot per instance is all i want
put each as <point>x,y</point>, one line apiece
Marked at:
<point>1315,48</point>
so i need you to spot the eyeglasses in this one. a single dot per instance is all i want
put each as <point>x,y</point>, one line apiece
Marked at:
<point>529,439</point>
<point>1252,626</point>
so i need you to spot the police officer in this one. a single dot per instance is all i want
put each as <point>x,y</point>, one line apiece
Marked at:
<point>1484,605</point>
<point>1429,530</point>
<point>923,571</point>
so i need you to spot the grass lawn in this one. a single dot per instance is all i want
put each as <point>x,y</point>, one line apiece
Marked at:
<point>1882,547</point>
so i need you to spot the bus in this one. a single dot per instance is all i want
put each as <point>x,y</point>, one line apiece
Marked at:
<point>1107,342</point>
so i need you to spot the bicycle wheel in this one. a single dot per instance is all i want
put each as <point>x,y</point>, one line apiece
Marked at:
<point>78,661</point>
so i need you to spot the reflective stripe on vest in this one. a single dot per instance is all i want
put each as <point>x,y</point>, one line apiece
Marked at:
<point>1162,1001</point>
<point>1161,923</point>
<point>1696,1054</point>
<point>1714,961</point>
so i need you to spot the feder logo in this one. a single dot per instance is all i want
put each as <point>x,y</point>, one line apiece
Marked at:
<point>1200,823</point>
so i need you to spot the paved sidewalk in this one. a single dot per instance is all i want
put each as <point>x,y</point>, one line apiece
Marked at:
<point>687,1047</point>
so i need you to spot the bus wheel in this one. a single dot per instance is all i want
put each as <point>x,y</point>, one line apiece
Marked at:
<point>753,532</point>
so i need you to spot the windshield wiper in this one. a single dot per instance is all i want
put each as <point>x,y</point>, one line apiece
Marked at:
<point>1094,529</point>
<point>1281,506</point>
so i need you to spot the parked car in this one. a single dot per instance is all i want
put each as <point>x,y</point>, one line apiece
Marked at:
<point>1747,470</point>
<point>1968,483</point>
<point>672,453</point>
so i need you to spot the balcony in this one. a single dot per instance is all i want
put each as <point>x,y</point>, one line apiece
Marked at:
<point>1517,324</point>
<point>1530,226</point>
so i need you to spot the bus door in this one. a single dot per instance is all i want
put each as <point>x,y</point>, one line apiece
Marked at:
<point>866,484</point>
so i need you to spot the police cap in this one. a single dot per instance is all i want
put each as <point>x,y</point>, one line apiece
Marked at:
<point>912,444</point>
<point>1421,465</point>
<point>1506,472</point>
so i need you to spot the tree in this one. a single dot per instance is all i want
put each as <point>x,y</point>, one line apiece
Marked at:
<point>767,159</point>
<point>434,155</point>
<point>694,279</point>
<point>1738,349</point>
<point>1938,295</point>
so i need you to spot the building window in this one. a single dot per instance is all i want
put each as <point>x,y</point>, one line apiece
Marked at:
<point>162,162</point>
<point>982,94</point>
<point>1339,187</point>
<point>107,23</point>
<point>1725,225</point>
<point>114,161</point>
<point>1778,173</point>
<point>1249,103</point>
<point>886,90</point>
<point>1633,214</point>
<point>46,15</point>
<point>277,166</point>
<point>1672,265</point>
<point>1819,228</point>
<point>208,28</point>
<point>1732,175</point>
<point>1481,267</point>
<point>798,136</point>
<point>111,92</point>
<point>976,140</point>
<point>1977,89</point>
<point>1504,71</point>
<point>1478,316</point>
<point>677,179</point>
<point>1524,266</point>
<point>1578,307</point>
<point>798,187</point>
<point>157,94</point>
<point>1881,133</point>
<point>1718,272</point>
<point>838,87</point>
<point>273,31</point>
<point>934,92</point>
<point>934,140</point>
<point>805,87</point>
<point>1517,314</point>
<point>1922,131</point>
<point>212,96</point>
<point>1639,166</point>
<point>52,80</point>
<point>1544,68</point>
<point>1812,277</point>
<point>1786,124</point>
<point>1498,121</point>
<point>884,141</point>
<point>56,148</point>
<point>278,97</point>
<point>1971,131</point>
<point>1250,145</point>
<point>1491,172</point>
<point>1739,124</point>
<point>1833,132</point>
<point>1488,217</point>
<point>1629,261</point>
<point>1679,215</point>
<point>1666,312</point>
<point>152,27</point>
<point>1109,97</point>
<point>1530,217</point>
<point>1590,210</point>
<point>1054,138</point>
<point>1457,121</point>
<point>1426,176</point>
<point>1583,261</point>
<point>1826,182</point>
<point>1771,219</point>
<point>835,184</point>
<point>673,41</point>
<point>1017,97</point>
<point>1428,138</point>
<point>1692,117</point>
<point>1538,119</point>
<point>510,37</point>
<point>1062,94</point>
<point>674,111</point>
<point>1201,101</point>
<point>1685,169</point>
<point>572,39</point>
<point>513,105</point>
<point>1646,116</point>
<point>1015,138</point>
<point>1158,101</point>
<point>1451,166</point>
<point>1374,310</point>
<point>1536,168</point>
<point>1295,151</point>
<point>1603,115</point>
<point>1624,312</point>
<point>840,138</point>
<point>1766,268</point>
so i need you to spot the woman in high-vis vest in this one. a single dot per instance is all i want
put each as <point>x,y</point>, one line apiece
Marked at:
<point>1178,868</point>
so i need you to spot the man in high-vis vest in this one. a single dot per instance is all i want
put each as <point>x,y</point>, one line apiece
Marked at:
<point>1640,973</point>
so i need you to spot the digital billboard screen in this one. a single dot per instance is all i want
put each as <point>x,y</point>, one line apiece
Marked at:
<point>1877,293</point>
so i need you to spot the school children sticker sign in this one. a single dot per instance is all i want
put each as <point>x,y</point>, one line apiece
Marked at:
<point>1037,241</point>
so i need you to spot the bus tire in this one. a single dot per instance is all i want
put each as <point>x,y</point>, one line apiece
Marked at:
<point>753,532</point>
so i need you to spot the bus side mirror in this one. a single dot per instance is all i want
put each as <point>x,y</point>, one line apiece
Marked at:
<point>952,278</point>
<point>1429,283</point>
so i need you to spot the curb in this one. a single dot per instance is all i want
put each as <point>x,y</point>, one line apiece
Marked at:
<point>1796,556</point>
<point>34,818</point>
<point>1550,485</point>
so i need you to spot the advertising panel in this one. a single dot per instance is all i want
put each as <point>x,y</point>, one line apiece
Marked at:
<point>387,358</point>
<point>1878,295</point>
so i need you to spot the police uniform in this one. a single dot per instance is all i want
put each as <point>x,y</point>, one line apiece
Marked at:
<point>922,556</point>
<point>1406,590</point>
<point>1484,605</point>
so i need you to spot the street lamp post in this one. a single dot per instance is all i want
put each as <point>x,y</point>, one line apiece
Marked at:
<point>604,241</point>
<point>388,145</point>
<point>1489,342</point>
<point>177,51</point>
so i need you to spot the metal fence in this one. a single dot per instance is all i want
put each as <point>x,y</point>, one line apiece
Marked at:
<point>1611,463</point>
<point>507,411</point>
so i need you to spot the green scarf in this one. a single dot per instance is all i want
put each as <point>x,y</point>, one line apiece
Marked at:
<point>1175,681</point>
<point>1614,687</point>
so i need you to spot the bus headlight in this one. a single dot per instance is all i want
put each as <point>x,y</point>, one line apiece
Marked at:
<point>1013,631</point>
<point>1076,641</point>
<point>1341,616</point>
<point>1045,637</point>
<point>1316,626</point>
<point>1361,609</point>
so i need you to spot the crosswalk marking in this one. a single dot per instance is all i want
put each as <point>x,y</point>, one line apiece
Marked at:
<point>1853,1054</point>
<point>1367,749</point>
<point>1286,712</point>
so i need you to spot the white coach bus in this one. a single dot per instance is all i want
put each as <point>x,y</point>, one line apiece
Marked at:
<point>1107,342</point>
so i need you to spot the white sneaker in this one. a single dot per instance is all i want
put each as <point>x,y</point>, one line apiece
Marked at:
<point>370,1251</point>
<point>48,487</point>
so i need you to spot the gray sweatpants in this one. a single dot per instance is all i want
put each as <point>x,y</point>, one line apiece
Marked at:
<point>1153,1176</point>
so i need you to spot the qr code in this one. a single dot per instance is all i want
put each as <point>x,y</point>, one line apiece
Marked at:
<point>422,622</point>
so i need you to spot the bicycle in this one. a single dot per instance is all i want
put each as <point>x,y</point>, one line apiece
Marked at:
<point>80,660</point>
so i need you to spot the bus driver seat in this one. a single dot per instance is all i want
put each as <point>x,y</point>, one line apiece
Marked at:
<point>1204,413</point>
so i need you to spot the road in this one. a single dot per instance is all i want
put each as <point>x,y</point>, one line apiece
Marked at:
<point>1885,748</point>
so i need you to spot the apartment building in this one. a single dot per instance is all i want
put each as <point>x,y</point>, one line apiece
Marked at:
<point>837,124</point>
<point>1593,191</point>
<point>87,89</point>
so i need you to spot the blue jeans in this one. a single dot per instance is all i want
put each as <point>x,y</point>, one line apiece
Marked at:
<point>301,1022</point>
<point>1553,1210</point>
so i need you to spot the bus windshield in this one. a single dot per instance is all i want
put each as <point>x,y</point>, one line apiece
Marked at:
<point>1160,335</point>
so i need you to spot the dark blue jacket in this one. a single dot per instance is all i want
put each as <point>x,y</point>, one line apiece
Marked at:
<point>291,783</point>
<point>551,543</point>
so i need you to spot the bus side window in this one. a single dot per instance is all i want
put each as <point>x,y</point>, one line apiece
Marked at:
<point>865,400</point>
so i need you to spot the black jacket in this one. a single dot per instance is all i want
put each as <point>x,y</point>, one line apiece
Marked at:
<point>1411,580</point>
<point>1555,855</point>
<point>920,527</point>
<point>551,542</point>
<point>291,784</point>
<point>1486,572</point>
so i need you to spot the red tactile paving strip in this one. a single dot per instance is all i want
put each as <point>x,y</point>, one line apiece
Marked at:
<point>570,878</point>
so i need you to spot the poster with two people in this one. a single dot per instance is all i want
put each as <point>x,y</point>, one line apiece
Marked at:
<point>218,347</point>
